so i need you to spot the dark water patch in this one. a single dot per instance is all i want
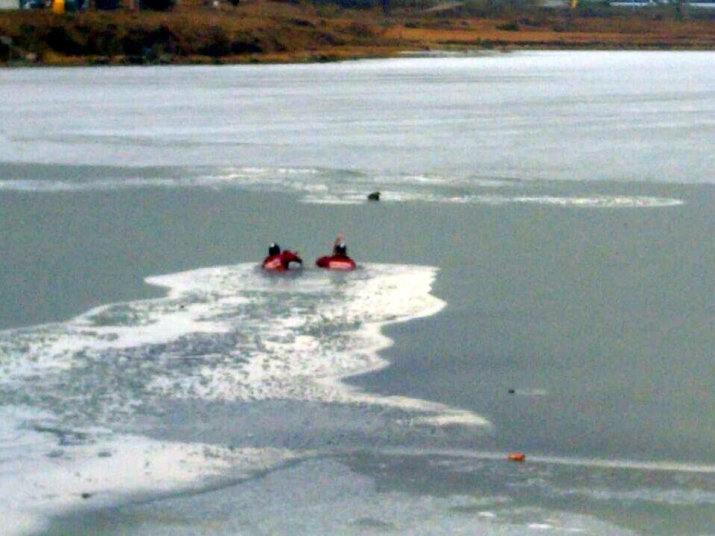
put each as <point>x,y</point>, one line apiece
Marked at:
<point>606,312</point>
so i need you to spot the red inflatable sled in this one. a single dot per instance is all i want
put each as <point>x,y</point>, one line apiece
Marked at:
<point>336,262</point>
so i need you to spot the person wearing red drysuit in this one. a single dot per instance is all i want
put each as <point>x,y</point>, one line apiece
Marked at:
<point>279,261</point>
<point>339,260</point>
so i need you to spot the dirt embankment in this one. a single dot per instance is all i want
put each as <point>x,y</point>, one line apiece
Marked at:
<point>264,31</point>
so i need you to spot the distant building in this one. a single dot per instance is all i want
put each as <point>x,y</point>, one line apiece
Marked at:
<point>633,3</point>
<point>554,3</point>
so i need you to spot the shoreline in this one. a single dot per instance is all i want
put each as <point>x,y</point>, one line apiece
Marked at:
<point>312,57</point>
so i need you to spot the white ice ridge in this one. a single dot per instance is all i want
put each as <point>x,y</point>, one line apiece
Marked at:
<point>335,186</point>
<point>599,201</point>
<point>39,479</point>
<point>575,461</point>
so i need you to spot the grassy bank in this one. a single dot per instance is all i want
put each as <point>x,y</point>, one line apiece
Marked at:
<point>264,31</point>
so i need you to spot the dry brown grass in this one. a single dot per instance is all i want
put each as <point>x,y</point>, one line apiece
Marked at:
<point>565,32</point>
<point>265,31</point>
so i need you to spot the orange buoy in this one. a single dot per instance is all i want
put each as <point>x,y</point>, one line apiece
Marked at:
<point>516,457</point>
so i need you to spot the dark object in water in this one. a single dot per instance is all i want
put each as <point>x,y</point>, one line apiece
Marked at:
<point>374,196</point>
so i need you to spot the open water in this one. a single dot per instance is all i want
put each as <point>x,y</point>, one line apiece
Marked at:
<point>537,278</point>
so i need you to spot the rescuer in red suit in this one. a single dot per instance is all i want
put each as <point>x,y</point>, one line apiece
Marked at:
<point>339,260</point>
<point>279,261</point>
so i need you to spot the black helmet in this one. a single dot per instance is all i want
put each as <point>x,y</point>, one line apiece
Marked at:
<point>274,249</point>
